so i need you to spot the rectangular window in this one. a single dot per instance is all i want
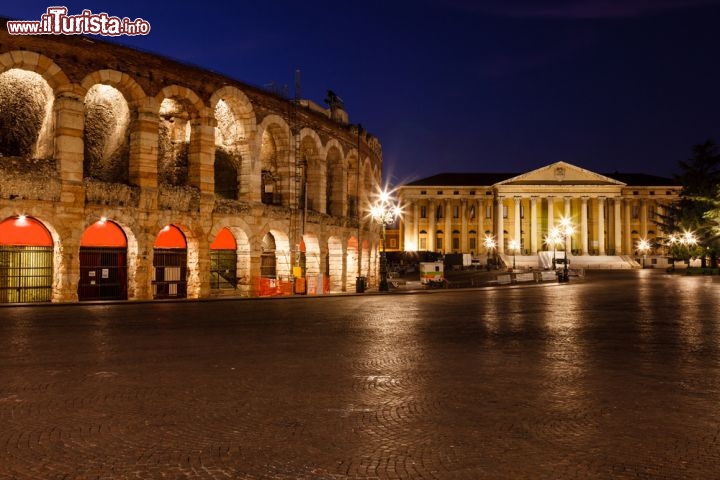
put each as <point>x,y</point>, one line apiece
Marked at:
<point>456,243</point>
<point>423,244</point>
<point>423,211</point>
<point>393,243</point>
<point>456,212</point>
<point>636,211</point>
<point>488,211</point>
<point>472,243</point>
<point>651,213</point>
<point>472,212</point>
<point>439,213</point>
<point>505,211</point>
<point>522,211</point>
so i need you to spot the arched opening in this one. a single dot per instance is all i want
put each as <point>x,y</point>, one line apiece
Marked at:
<point>334,183</point>
<point>351,264</point>
<point>311,195</point>
<point>223,261</point>
<point>275,166</point>
<point>268,260</point>
<point>26,103</point>
<point>173,142</point>
<point>103,263</point>
<point>106,141</point>
<point>227,155</point>
<point>169,278</point>
<point>334,264</point>
<point>26,261</point>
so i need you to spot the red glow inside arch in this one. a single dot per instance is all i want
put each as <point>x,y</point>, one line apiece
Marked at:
<point>24,231</point>
<point>170,237</point>
<point>224,241</point>
<point>103,234</point>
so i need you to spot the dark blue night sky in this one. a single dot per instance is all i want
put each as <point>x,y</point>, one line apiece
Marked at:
<point>457,85</point>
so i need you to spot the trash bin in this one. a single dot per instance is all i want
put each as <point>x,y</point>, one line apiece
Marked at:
<point>359,284</point>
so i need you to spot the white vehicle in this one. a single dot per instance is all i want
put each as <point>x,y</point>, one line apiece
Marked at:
<point>432,273</point>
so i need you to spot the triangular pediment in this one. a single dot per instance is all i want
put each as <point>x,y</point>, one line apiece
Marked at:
<point>560,173</point>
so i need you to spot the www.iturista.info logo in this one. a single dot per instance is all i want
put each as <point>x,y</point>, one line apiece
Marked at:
<point>56,21</point>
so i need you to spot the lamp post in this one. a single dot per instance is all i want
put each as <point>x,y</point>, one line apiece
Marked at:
<point>643,246</point>
<point>565,231</point>
<point>514,246</point>
<point>553,238</point>
<point>385,212</point>
<point>490,244</point>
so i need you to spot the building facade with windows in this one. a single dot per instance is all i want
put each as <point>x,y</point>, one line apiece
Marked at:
<point>454,213</point>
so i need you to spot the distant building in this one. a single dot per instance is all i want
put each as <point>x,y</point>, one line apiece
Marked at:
<point>454,212</point>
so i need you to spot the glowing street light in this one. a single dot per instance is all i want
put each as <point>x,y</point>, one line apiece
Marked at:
<point>385,212</point>
<point>514,246</point>
<point>490,245</point>
<point>565,231</point>
<point>643,246</point>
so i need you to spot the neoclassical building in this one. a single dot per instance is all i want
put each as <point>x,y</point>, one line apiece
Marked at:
<point>125,175</point>
<point>452,212</point>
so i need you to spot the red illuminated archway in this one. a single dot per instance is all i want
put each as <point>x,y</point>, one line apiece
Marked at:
<point>26,261</point>
<point>103,234</point>
<point>170,264</point>
<point>103,262</point>
<point>24,231</point>
<point>223,261</point>
<point>170,237</point>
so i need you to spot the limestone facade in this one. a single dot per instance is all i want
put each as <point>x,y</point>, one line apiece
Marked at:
<point>453,213</point>
<point>93,130</point>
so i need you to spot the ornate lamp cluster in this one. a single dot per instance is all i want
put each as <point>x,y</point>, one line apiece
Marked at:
<point>385,212</point>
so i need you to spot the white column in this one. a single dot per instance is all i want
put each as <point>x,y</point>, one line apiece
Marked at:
<point>618,226</point>
<point>518,228</point>
<point>448,226</point>
<point>643,218</point>
<point>533,225</point>
<point>584,225</point>
<point>416,225</point>
<point>551,213</point>
<point>601,225</point>
<point>568,212</point>
<point>480,220</point>
<point>627,230</point>
<point>464,227</point>
<point>431,226</point>
<point>499,226</point>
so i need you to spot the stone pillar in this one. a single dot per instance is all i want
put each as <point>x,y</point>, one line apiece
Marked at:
<point>415,226</point>
<point>643,218</point>
<point>551,213</point>
<point>144,145</point>
<point>584,225</point>
<point>447,238</point>
<point>618,226</point>
<point>464,226</point>
<point>69,114</point>
<point>627,229</point>
<point>517,227</point>
<point>499,236</point>
<point>431,226</point>
<point>601,225</point>
<point>533,225</point>
<point>480,221</point>
<point>201,154</point>
<point>568,212</point>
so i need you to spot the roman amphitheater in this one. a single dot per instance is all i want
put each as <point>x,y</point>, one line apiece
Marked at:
<point>125,175</point>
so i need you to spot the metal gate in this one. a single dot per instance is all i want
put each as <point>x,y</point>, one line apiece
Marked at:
<point>169,273</point>
<point>223,269</point>
<point>26,274</point>
<point>103,274</point>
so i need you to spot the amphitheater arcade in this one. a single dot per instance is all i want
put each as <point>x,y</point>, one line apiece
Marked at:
<point>138,177</point>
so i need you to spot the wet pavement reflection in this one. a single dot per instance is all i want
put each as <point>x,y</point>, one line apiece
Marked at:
<point>613,376</point>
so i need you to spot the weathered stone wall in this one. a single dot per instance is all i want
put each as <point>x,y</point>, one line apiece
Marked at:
<point>104,131</point>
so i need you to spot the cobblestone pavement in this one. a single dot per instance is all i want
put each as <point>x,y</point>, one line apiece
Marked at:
<point>616,376</point>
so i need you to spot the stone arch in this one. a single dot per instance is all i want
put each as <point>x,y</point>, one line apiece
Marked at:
<point>351,258</point>
<point>35,62</point>
<point>335,264</point>
<point>353,187</point>
<point>313,266</point>
<point>26,115</point>
<point>106,137</point>
<point>243,253</point>
<point>335,180</point>
<point>312,156</point>
<point>235,127</point>
<point>369,188</point>
<point>273,145</point>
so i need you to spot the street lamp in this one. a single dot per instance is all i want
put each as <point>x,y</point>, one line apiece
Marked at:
<point>565,231</point>
<point>552,239</point>
<point>490,244</point>
<point>643,246</point>
<point>385,212</point>
<point>514,246</point>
